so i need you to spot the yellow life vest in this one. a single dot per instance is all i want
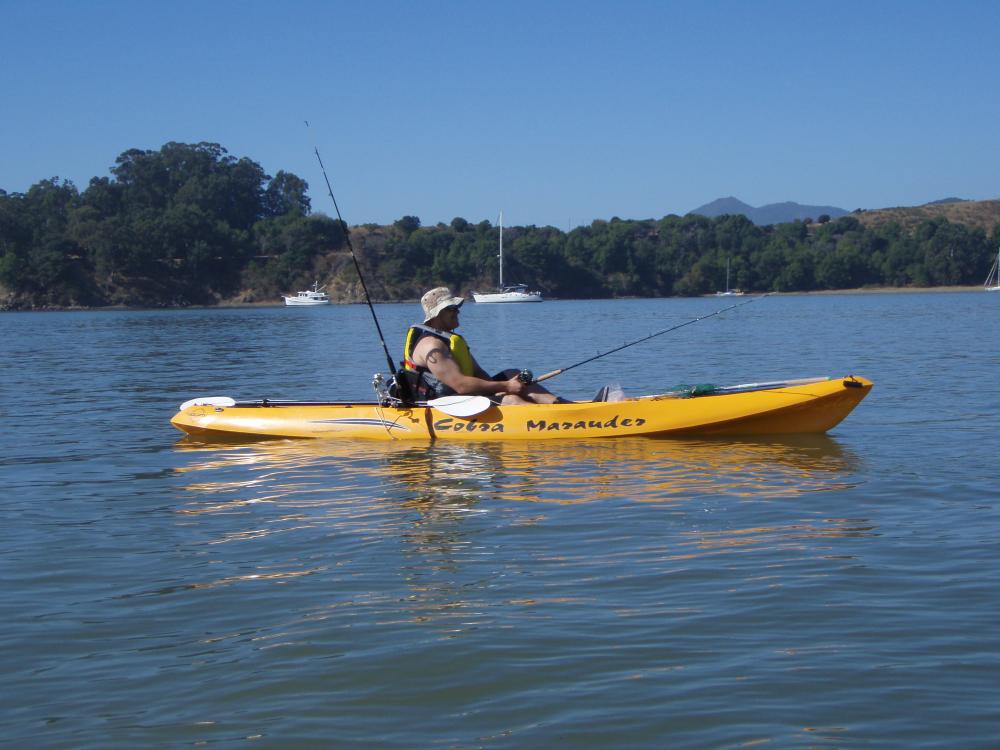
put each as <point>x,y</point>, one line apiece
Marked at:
<point>456,345</point>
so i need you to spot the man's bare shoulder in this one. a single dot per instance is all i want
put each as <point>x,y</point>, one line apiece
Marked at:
<point>430,348</point>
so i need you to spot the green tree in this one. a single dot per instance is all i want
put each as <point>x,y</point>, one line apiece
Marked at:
<point>286,194</point>
<point>407,225</point>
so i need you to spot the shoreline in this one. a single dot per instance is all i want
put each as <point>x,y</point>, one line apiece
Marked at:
<point>238,305</point>
<point>886,290</point>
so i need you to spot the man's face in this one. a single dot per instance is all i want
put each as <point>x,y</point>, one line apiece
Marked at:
<point>449,318</point>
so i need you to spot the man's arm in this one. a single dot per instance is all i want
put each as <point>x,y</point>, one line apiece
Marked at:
<point>443,366</point>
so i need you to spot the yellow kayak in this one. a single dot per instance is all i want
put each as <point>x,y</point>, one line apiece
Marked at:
<point>812,405</point>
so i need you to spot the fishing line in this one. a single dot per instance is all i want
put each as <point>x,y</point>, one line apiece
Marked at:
<point>560,371</point>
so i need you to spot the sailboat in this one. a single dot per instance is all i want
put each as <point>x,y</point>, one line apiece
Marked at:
<point>992,283</point>
<point>511,293</point>
<point>729,292</point>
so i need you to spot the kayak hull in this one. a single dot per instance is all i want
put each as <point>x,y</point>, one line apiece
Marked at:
<point>813,407</point>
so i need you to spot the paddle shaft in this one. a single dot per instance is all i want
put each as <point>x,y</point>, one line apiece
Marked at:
<point>560,371</point>
<point>354,257</point>
<point>455,406</point>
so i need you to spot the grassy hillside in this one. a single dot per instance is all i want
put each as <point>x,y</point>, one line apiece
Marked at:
<point>984,215</point>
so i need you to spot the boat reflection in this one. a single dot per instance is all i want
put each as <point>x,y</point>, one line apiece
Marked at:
<point>463,475</point>
<point>419,514</point>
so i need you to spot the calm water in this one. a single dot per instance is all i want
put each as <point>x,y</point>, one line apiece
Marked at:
<point>839,591</point>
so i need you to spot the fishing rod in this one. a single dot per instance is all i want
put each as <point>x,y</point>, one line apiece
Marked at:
<point>560,371</point>
<point>400,382</point>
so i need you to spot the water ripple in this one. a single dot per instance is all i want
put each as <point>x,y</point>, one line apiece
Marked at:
<point>829,592</point>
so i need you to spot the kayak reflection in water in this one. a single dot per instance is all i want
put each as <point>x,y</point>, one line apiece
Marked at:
<point>437,361</point>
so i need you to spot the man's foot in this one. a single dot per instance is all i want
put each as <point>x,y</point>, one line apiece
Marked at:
<point>610,393</point>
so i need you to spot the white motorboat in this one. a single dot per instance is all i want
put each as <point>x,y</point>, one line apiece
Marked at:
<point>314,296</point>
<point>510,293</point>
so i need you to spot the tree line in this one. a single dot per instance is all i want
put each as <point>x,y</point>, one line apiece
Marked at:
<point>190,225</point>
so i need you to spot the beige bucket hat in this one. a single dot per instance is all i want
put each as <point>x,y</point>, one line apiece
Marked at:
<point>438,299</point>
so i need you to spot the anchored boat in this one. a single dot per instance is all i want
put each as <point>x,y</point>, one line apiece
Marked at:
<point>992,283</point>
<point>811,405</point>
<point>730,292</point>
<point>510,293</point>
<point>308,297</point>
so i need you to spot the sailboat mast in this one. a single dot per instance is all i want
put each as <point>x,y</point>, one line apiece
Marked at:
<point>501,250</point>
<point>992,283</point>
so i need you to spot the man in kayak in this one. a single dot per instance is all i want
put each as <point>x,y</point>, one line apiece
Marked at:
<point>439,362</point>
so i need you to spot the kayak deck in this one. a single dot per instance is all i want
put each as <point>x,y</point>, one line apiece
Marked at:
<point>789,407</point>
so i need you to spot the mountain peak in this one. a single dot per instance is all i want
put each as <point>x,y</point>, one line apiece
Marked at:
<point>772,213</point>
<point>720,206</point>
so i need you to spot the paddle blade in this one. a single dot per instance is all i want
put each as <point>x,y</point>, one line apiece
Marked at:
<point>461,406</point>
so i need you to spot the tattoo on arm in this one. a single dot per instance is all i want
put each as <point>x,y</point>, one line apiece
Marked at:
<point>444,367</point>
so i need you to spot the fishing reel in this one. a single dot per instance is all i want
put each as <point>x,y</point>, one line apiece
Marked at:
<point>526,376</point>
<point>381,389</point>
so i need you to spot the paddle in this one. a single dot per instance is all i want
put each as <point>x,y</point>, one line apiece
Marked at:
<point>453,406</point>
<point>461,406</point>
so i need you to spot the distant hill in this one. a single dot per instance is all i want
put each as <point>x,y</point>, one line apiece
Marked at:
<point>947,200</point>
<point>723,206</point>
<point>982,214</point>
<point>772,213</point>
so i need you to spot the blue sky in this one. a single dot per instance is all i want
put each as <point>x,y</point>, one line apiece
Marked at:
<point>557,112</point>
